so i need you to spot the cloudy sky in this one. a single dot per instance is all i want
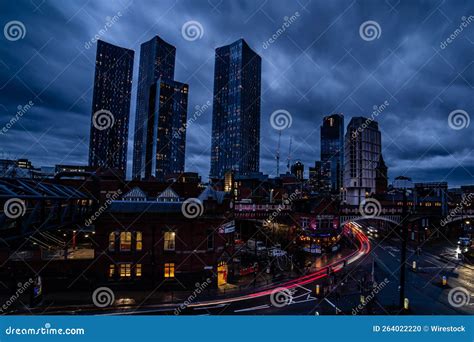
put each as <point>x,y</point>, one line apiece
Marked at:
<point>322,62</point>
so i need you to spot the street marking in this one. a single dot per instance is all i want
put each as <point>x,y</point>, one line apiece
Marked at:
<point>210,307</point>
<point>260,307</point>
<point>333,305</point>
<point>307,293</point>
<point>135,311</point>
<point>430,262</point>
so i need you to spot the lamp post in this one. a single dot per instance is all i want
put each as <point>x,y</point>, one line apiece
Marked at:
<point>403,250</point>
<point>403,257</point>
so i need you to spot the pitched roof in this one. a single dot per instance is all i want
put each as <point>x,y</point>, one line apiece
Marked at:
<point>136,192</point>
<point>209,192</point>
<point>168,193</point>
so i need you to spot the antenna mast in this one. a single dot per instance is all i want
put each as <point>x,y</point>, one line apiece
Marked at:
<point>289,156</point>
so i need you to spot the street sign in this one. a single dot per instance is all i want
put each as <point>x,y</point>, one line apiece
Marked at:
<point>228,227</point>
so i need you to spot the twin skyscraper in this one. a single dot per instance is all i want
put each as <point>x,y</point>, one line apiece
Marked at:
<point>161,111</point>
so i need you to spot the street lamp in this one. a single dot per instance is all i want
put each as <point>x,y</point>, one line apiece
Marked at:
<point>403,251</point>
<point>403,257</point>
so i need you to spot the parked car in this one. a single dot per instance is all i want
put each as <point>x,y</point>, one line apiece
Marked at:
<point>373,231</point>
<point>256,246</point>
<point>276,252</point>
<point>313,249</point>
<point>464,244</point>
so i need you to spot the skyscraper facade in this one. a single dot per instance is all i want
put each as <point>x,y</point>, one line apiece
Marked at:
<point>236,110</point>
<point>381,176</point>
<point>316,177</point>
<point>297,169</point>
<point>157,61</point>
<point>363,145</point>
<point>332,152</point>
<point>111,107</point>
<point>165,134</point>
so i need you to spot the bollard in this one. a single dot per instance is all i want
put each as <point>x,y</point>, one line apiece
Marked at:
<point>414,266</point>
<point>406,304</point>
<point>444,281</point>
<point>317,290</point>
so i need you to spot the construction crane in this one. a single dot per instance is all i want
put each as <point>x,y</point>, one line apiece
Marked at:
<point>288,165</point>
<point>277,157</point>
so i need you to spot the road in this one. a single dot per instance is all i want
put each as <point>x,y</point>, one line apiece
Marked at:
<point>341,282</point>
<point>296,296</point>
<point>424,287</point>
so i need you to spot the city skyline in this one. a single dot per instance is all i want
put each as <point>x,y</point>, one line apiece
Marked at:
<point>236,158</point>
<point>442,153</point>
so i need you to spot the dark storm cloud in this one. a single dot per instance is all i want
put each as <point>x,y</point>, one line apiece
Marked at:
<point>317,66</point>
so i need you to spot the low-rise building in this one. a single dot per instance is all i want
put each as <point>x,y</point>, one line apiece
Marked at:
<point>165,241</point>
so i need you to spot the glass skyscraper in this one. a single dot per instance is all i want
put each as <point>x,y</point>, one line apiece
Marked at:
<point>166,134</point>
<point>363,145</point>
<point>157,61</point>
<point>236,110</point>
<point>332,152</point>
<point>111,107</point>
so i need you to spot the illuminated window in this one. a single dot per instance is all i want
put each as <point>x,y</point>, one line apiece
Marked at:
<point>112,241</point>
<point>138,270</point>
<point>125,270</point>
<point>139,243</point>
<point>111,270</point>
<point>169,241</point>
<point>169,270</point>
<point>125,241</point>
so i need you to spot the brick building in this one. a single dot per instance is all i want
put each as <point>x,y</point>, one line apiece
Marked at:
<point>164,240</point>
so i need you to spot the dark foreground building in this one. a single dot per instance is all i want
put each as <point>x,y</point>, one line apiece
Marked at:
<point>144,237</point>
<point>111,107</point>
<point>236,110</point>
<point>159,243</point>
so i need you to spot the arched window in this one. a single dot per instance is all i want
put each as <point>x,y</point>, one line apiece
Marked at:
<point>169,241</point>
<point>112,241</point>
<point>139,241</point>
<point>125,241</point>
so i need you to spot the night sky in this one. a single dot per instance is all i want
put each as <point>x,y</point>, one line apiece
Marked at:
<point>320,64</point>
